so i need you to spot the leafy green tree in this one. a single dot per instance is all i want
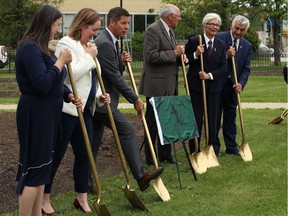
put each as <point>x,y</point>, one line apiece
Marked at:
<point>15,16</point>
<point>257,12</point>
<point>192,13</point>
<point>137,42</point>
<point>274,11</point>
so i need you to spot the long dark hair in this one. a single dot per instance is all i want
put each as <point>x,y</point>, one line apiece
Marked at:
<point>40,27</point>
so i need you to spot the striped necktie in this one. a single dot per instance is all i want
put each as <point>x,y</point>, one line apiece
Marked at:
<point>173,41</point>
<point>209,47</point>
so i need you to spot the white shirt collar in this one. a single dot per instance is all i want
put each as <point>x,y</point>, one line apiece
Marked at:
<point>207,40</point>
<point>112,35</point>
<point>165,25</point>
<point>232,39</point>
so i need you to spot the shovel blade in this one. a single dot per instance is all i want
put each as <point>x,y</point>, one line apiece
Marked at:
<point>198,162</point>
<point>134,199</point>
<point>245,152</point>
<point>101,209</point>
<point>210,155</point>
<point>161,189</point>
<point>277,120</point>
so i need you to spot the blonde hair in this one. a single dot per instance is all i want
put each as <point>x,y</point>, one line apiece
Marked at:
<point>84,18</point>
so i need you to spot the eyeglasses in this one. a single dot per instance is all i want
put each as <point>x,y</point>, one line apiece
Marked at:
<point>176,15</point>
<point>213,24</point>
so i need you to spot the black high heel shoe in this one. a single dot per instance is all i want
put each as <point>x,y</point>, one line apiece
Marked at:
<point>78,206</point>
<point>48,214</point>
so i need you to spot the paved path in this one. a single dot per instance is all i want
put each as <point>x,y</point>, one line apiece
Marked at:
<point>127,106</point>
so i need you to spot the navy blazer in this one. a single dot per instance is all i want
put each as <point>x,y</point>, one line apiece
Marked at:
<point>111,73</point>
<point>243,60</point>
<point>215,64</point>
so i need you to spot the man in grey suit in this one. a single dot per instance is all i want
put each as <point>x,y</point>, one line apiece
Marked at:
<point>112,67</point>
<point>160,72</point>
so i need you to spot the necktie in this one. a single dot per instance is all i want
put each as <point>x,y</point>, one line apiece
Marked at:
<point>209,47</point>
<point>117,48</point>
<point>235,58</point>
<point>173,41</point>
<point>117,53</point>
<point>236,50</point>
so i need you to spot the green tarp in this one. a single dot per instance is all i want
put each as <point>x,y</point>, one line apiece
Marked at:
<point>175,118</point>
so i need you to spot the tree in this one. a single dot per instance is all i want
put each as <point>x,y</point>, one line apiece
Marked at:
<point>273,10</point>
<point>257,11</point>
<point>15,16</point>
<point>192,13</point>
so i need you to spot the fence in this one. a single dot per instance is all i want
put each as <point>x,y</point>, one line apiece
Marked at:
<point>259,60</point>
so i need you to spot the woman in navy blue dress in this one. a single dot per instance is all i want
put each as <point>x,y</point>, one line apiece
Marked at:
<point>40,76</point>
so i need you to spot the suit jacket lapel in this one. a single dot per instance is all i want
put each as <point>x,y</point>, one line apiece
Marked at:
<point>117,59</point>
<point>165,33</point>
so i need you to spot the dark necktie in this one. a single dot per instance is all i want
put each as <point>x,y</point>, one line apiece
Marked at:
<point>173,41</point>
<point>209,47</point>
<point>236,60</point>
<point>118,55</point>
<point>235,47</point>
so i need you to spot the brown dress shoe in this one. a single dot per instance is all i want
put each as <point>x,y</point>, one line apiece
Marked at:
<point>144,182</point>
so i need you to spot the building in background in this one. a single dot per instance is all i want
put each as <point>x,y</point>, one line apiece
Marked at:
<point>265,34</point>
<point>143,12</point>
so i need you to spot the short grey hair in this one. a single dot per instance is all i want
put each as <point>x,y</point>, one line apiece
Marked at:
<point>242,19</point>
<point>210,16</point>
<point>167,9</point>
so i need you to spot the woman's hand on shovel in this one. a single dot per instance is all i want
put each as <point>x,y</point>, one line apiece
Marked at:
<point>77,102</point>
<point>105,98</point>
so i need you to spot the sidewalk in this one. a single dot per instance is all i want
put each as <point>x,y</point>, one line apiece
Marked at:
<point>130,106</point>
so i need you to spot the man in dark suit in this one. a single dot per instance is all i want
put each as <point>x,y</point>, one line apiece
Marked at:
<point>214,59</point>
<point>112,67</point>
<point>241,49</point>
<point>160,71</point>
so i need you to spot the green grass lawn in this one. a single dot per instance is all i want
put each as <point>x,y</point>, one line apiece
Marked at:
<point>258,88</point>
<point>235,187</point>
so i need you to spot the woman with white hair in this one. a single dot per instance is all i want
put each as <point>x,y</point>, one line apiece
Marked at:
<point>214,59</point>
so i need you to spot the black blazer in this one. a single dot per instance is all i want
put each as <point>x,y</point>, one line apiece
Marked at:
<point>215,64</point>
<point>111,73</point>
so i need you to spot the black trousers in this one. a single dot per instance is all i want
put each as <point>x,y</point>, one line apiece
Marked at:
<point>164,151</point>
<point>71,132</point>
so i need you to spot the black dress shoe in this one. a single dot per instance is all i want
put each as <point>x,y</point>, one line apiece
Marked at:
<point>234,152</point>
<point>218,154</point>
<point>149,163</point>
<point>170,160</point>
<point>144,182</point>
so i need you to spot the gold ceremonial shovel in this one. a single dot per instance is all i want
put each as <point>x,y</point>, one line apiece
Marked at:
<point>101,209</point>
<point>157,183</point>
<point>129,193</point>
<point>244,149</point>
<point>198,160</point>
<point>208,150</point>
<point>279,119</point>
